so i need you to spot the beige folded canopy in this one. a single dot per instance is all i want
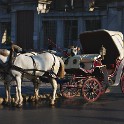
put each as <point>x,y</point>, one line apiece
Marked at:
<point>92,41</point>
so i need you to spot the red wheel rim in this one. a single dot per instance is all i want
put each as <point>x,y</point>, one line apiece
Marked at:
<point>91,90</point>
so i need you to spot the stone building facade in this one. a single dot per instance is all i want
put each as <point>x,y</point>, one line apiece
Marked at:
<point>33,24</point>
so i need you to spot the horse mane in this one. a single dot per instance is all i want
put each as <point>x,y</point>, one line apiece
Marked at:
<point>61,71</point>
<point>16,48</point>
<point>4,52</point>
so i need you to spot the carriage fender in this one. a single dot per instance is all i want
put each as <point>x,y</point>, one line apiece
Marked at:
<point>119,73</point>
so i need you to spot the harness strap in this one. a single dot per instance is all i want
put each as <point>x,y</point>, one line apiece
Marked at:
<point>52,73</point>
<point>53,62</point>
<point>10,57</point>
<point>34,63</point>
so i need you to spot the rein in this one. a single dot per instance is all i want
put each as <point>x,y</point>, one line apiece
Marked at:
<point>55,45</point>
<point>53,62</point>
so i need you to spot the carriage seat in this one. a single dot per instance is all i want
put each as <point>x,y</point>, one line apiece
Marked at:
<point>76,62</point>
<point>89,57</point>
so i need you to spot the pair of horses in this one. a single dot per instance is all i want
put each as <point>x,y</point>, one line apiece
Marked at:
<point>32,66</point>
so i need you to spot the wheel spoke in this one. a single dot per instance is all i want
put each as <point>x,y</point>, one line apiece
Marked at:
<point>87,85</point>
<point>69,90</point>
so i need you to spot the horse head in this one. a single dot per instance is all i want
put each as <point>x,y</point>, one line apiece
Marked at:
<point>4,55</point>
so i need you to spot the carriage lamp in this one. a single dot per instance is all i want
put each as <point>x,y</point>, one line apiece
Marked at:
<point>43,6</point>
<point>102,52</point>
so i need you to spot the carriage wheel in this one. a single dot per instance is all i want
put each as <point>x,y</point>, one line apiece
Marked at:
<point>91,89</point>
<point>69,90</point>
<point>122,82</point>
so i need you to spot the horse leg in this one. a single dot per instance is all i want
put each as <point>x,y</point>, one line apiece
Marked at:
<point>17,95</point>
<point>36,89</point>
<point>7,91</point>
<point>54,86</point>
<point>19,98</point>
<point>7,85</point>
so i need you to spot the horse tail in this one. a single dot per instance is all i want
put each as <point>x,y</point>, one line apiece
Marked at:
<point>61,71</point>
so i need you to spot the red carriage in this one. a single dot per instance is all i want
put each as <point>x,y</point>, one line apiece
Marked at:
<point>101,65</point>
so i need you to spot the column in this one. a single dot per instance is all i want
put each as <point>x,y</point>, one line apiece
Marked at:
<point>0,34</point>
<point>104,24</point>
<point>13,26</point>
<point>36,31</point>
<point>81,25</point>
<point>81,28</point>
<point>41,36</point>
<point>122,21</point>
<point>60,34</point>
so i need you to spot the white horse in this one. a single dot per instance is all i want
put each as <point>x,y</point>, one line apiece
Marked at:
<point>5,74</point>
<point>34,67</point>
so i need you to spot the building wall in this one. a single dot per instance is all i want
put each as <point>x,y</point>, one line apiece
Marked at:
<point>4,24</point>
<point>28,40</point>
<point>67,24</point>
<point>109,17</point>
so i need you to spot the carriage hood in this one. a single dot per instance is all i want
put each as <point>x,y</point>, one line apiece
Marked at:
<point>92,41</point>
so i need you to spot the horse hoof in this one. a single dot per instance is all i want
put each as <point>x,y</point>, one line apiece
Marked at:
<point>4,103</point>
<point>52,103</point>
<point>37,100</point>
<point>31,99</point>
<point>14,104</point>
<point>19,105</point>
<point>8,103</point>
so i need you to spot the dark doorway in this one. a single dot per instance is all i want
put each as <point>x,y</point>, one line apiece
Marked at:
<point>25,29</point>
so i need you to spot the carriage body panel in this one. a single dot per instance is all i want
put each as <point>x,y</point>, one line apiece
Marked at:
<point>92,71</point>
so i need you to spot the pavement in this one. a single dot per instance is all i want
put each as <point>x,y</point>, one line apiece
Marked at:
<point>45,88</point>
<point>27,88</point>
<point>115,89</point>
